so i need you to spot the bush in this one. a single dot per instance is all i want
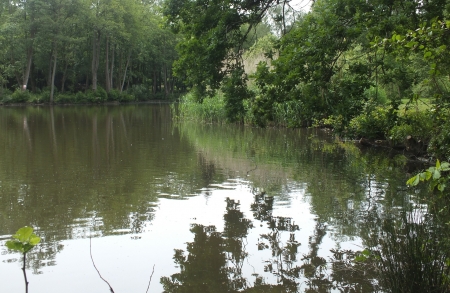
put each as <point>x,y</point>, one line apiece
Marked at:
<point>417,124</point>
<point>114,95</point>
<point>140,92</point>
<point>125,97</point>
<point>20,96</point>
<point>81,98</point>
<point>374,124</point>
<point>66,98</point>
<point>98,96</point>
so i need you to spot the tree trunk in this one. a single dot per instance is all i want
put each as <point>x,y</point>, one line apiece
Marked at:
<point>154,81</point>
<point>52,86</point>
<point>95,58</point>
<point>112,68</point>
<point>107,77</point>
<point>64,77</point>
<point>166,86</point>
<point>125,71</point>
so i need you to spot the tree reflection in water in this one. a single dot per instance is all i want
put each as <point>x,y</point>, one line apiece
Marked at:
<point>205,268</point>
<point>213,262</point>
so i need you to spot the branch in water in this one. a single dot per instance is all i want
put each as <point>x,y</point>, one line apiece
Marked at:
<point>90,251</point>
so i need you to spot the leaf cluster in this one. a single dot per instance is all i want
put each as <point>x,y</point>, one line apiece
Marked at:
<point>434,175</point>
<point>24,240</point>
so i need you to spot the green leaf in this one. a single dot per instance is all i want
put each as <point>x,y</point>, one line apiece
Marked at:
<point>445,166</point>
<point>438,164</point>
<point>427,175</point>
<point>441,187</point>
<point>14,245</point>
<point>436,174</point>
<point>427,54</point>
<point>413,181</point>
<point>34,240</point>
<point>23,234</point>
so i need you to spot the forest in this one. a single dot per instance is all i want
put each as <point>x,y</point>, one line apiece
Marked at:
<point>67,51</point>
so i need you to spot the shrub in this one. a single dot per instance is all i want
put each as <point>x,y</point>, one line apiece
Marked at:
<point>98,96</point>
<point>66,98</point>
<point>114,95</point>
<point>417,124</point>
<point>125,97</point>
<point>140,92</point>
<point>373,124</point>
<point>20,96</point>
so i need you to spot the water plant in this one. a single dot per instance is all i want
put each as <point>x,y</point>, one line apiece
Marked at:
<point>23,241</point>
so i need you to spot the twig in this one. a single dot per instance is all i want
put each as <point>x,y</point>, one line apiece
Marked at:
<point>90,251</point>
<point>150,278</point>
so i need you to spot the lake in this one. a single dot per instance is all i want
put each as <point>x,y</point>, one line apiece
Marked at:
<point>198,208</point>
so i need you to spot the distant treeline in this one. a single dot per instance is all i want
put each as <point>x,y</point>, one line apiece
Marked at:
<point>57,48</point>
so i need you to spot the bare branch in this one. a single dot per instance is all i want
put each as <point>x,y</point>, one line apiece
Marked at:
<point>150,279</point>
<point>90,251</point>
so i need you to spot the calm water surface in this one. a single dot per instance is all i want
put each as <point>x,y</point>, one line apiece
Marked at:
<point>210,208</point>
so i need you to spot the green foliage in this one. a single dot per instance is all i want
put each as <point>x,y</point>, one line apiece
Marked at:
<point>372,125</point>
<point>414,124</point>
<point>434,175</point>
<point>99,95</point>
<point>376,94</point>
<point>140,92</point>
<point>124,97</point>
<point>412,256</point>
<point>210,110</point>
<point>68,98</point>
<point>24,240</point>
<point>440,142</point>
<point>235,92</point>
<point>20,96</point>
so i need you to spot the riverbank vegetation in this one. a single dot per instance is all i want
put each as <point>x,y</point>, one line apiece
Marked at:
<point>371,70</point>
<point>85,52</point>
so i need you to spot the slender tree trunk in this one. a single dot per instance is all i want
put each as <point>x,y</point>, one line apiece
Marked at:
<point>125,71</point>
<point>52,86</point>
<point>154,81</point>
<point>112,67</point>
<point>107,77</point>
<point>32,78</point>
<point>64,77</point>
<point>49,69</point>
<point>95,58</point>
<point>166,86</point>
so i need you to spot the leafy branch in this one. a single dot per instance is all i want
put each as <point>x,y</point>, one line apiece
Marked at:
<point>434,174</point>
<point>24,240</point>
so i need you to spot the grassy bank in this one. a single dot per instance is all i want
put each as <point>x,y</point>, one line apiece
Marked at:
<point>135,94</point>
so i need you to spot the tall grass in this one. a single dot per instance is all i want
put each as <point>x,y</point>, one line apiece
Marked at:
<point>211,110</point>
<point>413,256</point>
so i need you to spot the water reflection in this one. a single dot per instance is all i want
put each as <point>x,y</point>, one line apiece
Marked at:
<point>214,261</point>
<point>129,172</point>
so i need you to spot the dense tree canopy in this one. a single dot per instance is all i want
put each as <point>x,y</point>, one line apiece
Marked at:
<point>76,45</point>
<point>349,64</point>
